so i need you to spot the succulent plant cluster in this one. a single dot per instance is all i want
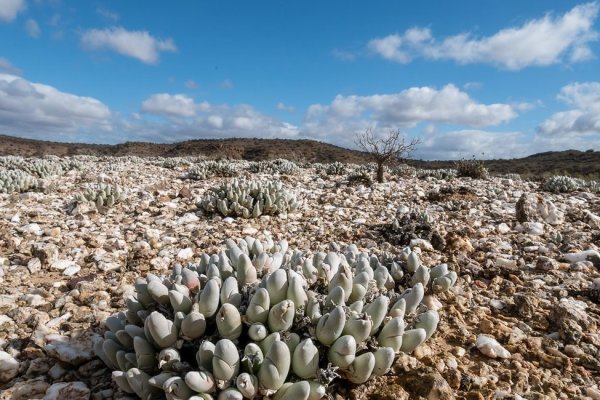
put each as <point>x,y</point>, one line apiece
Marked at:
<point>360,177</point>
<point>208,169</point>
<point>17,181</point>
<point>472,168</point>
<point>442,173</point>
<point>405,171</point>
<point>258,319</point>
<point>174,162</point>
<point>279,166</point>
<point>337,168</point>
<point>410,224</point>
<point>567,184</point>
<point>18,174</point>
<point>249,199</point>
<point>102,195</point>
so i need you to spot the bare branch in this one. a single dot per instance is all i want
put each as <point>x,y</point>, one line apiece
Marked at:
<point>392,147</point>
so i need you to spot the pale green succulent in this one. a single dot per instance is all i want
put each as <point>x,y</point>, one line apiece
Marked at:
<point>567,184</point>
<point>17,181</point>
<point>279,166</point>
<point>249,199</point>
<point>102,195</point>
<point>442,173</point>
<point>237,310</point>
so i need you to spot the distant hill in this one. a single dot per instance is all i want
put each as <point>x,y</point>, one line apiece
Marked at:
<point>567,162</point>
<point>573,162</point>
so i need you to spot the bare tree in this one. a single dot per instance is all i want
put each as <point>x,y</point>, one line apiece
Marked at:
<point>385,149</point>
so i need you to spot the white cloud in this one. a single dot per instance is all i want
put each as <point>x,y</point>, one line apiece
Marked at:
<point>582,120</point>
<point>344,55</point>
<point>191,84</point>
<point>283,107</point>
<point>346,115</point>
<point>538,42</point>
<point>107,14</point>
<point>467,143</point>
<point>187,119</point>
<point>227,84</point>
<point>32,28</point>
<point>35,109</point>
<point>177,105</point>
<point>6,66</point>
<point>137,44</point>
<point>10,8</point>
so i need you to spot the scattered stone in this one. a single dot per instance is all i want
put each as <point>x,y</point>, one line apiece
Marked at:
<point>9,367</point>
<point>490,347</point>
<point>71,391</point>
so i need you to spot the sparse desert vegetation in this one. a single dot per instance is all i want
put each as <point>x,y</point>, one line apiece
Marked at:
<point>156,277</point>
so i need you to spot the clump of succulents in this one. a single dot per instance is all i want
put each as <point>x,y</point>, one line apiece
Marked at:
<point>17,181</point>
<point>336,168</point>
<point>405,171</point>
<point>258,319</point>
<point>174,162</point>
<point>208,169</point>
<point>567,184</point>
<point>249,199</point>
<point>441,173</point>
<point>411,224</point>
<point>472,168</point>
<point>198,173</point>
<point>40,167</point>
<point>279,166</point>
<point>102,195</point>
<point>360,177</point>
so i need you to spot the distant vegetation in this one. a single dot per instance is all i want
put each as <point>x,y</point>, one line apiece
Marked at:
<point>584,164</point>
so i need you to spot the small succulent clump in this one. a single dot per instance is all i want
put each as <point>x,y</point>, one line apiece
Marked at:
<point>567,184</point>
<point>405,171</point>
<point>174,162</point>
<point>208,169</point>
<point>472,168</point>
<point>336,168</point>
<point>360,177</point>
<point>279,166</point>
<point>442,173</point>
<point>102,195</point>
<point>17,181</point>
<point>258,319</point>
<point>41,168</point>
<point>249,199</point>
<point>413,224</point>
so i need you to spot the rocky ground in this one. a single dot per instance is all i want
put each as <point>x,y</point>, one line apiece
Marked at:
<point>526,278</point>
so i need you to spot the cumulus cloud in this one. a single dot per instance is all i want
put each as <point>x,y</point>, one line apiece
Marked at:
<point>459,144</point>
<point>32,28</point>
<point>176,105</point>
<point>191,84</point>
<point>582,120</point>
<point>107,14</point>
<point>346,115</point>
<point>35,109</point>
<point>10,8</point>
<point>186,119</point>
<point>137,44</point>
<point>538,42</point>
<point>284,107</point>
<point>6,66</point>
<point>227,84</point>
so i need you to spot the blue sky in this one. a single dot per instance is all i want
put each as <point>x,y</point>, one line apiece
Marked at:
<point>503,78</point>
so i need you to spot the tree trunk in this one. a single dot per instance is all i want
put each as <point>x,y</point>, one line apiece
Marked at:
<point>380,171</point>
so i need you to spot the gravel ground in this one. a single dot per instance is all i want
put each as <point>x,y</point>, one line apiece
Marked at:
<point>525,279</point>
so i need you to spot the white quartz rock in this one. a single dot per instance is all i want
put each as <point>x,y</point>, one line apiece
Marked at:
<point>490,347</point>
